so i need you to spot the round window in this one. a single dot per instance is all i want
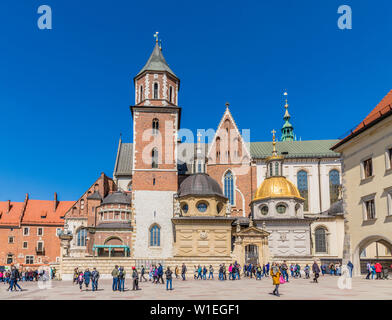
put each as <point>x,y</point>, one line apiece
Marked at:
<point>264,210</point>
<point>202,207</point>
<point>184,208</point>
<point>281,208</point>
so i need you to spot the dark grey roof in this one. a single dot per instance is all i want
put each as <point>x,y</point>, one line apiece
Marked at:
<point>123,166</point>
<point>156,62</point>
<point>95,196</point>
<point>115,225</point>
<point>117,197</point>
<point>200,184</point>
<point>335,209</point>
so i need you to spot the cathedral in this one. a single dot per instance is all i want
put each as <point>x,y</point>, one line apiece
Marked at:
<point>208,201</point>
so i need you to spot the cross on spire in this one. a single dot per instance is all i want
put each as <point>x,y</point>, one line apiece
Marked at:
<point>273,142</point>
<point>156,36</point>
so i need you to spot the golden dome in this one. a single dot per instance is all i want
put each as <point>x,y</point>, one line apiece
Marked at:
<point>277,187</point>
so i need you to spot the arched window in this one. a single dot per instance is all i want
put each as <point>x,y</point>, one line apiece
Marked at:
<point>302,183</point>
<point>276,168</point>
<point>156,96</point>
<point>155,126</point>
<point>334,183</point>
<point>141,94</point>
<point>171,94</point>
<point>229,187</point>
<point>154,156</point>
<point>270,169</point>
<point>155,236</point>
<point>320,240</point>
<point>81,237</point>
<point>82,204</point>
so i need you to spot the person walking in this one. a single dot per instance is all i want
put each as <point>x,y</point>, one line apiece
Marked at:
<point>369,270</point>
<point>176,271</point>
<point>75,276</point>
<point>267,267</point>
<point>316,271</point>
<point>307,271</point>
<point>142,272</point>
<point>168,274</point>
<point>115,278</point>
<point>160,273</point>
<point>87,277</point>
<point>378,268</point>
<point>14,277</point>
<point>183,271</point>
<point>121,278</point>
<point>94,279</point>
<point>80,281</point>
<point>350,267</point>
<point>275,274</point>
<point>135,279</point>
<point>211,273</point>
<point>204,273</point>
<point>284,268</point>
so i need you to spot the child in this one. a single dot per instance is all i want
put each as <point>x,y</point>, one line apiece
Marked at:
<point>80,280</point>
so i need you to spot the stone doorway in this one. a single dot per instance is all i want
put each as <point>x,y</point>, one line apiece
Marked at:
<point>252,254</point>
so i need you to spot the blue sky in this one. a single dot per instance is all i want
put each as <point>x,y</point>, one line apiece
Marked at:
<point>65,93</point>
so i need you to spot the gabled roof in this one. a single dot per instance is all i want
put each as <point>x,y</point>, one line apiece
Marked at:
<point>123,165</point>
<point>11,218</point>
<point>156,62</point>
<point>295,149</point>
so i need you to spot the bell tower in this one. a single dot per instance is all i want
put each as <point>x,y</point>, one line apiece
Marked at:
<point>156,121</point>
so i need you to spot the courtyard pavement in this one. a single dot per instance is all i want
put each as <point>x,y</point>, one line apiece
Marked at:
<point>244,289</point>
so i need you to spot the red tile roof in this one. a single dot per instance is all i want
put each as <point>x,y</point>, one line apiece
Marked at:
<point>382,108</point>
<point>13,216</point>
<point>42,212</point>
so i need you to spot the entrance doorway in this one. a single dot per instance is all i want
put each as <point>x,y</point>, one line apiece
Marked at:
<point>251,254</point>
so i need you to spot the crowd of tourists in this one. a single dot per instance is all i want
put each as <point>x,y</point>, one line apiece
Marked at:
<point>376,271</point>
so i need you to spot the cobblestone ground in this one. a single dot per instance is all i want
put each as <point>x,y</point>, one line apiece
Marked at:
<point>302,289</point>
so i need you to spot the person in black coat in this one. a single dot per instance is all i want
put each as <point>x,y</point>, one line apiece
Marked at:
<point>316,271</point>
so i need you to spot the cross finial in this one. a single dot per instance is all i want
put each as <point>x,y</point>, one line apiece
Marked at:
<point>156,36</point>
<point>199,136</point>
<point>285,94</point>
<point>273,141</point>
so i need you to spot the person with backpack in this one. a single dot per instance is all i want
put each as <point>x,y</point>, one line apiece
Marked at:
<point>121,278</point>
<point>316,271</point>
<point>168,274</point>
<point>94,279</point>
<point>183,271</point>
<point>142,272</point>
<point>135,279</point>
<point>115,278</point>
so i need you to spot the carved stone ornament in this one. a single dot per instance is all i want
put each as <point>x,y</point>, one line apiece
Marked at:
<point>203,235</point>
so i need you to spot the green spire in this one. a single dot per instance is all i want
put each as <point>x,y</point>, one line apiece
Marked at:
<point>287,129</point>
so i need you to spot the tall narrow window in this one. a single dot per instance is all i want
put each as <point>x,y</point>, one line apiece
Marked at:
<point>276,168</point>
<point>155,236</point>
<point>370,209</point>
<point>320,240</point>
<point>229,187</point>
<point>141,94</point>
<point>389,154</point>
<point>270,169</point>
<point>81,237</point>
<point>154,155</point>
<point>171,94</point>
<point>156,96</point>
<point>334,183</point>
<point>302,183</point>
<point>368,168</point>
<point>155,126</point>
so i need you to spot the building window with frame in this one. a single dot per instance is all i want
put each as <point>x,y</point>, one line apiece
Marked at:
<point>389,201</point>
<point>302,183</point>
<point>276,168</point>
<point>389,159</point>
<point>334,183</point>
<point>40,231</point>
<point>81,238</point>
<point>11,239</point>
<point>171,94</point>
<point>82,204</point>
<point>320,236</point>
<point>26,231</point>
<point>40,246</point>
<point>229,186</point>
<point>155,126</point>
<point>156,90</point>
<point>10,258</point>
<point>154,156</point>
<point>140,94</point>
<point>370,209</point>
<point>25,245</point>
<point>367,168</point>
<point>29,260</point>
<point>155,236</point>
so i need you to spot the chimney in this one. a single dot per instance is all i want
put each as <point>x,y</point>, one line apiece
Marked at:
<point>55,202</point>
<point>8,206</point>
